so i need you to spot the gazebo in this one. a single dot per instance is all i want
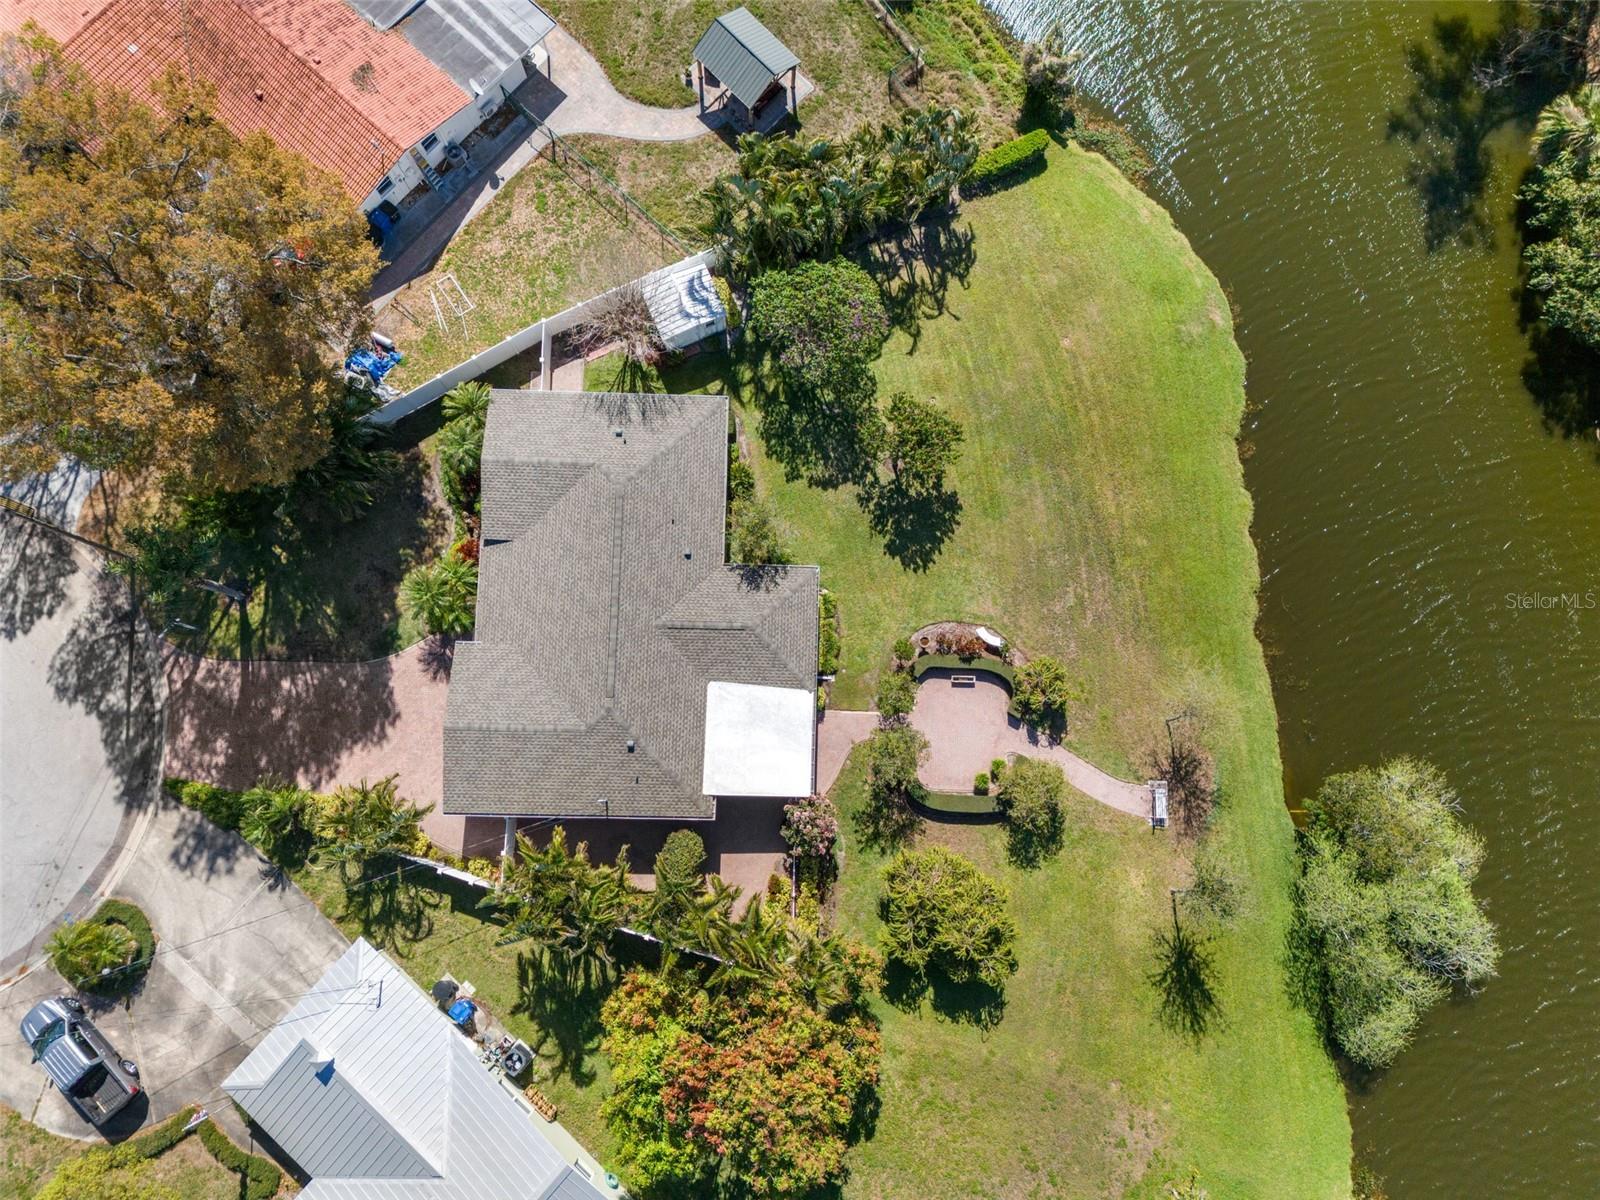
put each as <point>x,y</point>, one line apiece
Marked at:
<point>741,66</point>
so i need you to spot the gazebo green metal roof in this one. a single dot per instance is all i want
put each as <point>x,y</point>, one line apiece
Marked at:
<point>744,54</point>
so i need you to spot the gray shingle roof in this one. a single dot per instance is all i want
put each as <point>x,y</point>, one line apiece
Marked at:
<point>744,54</point>
<point>605,608</point>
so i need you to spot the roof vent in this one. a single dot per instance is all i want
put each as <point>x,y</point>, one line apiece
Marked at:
<point>616,431</point>
<point>630,745</point>
<point>688,553</point>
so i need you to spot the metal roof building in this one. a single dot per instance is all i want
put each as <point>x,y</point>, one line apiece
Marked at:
<point>472,41</point>
<point>607,612</point>
<point>740,54</point>
<point>367,1085</point>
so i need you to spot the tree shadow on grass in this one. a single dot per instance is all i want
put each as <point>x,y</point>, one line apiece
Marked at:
<point>563,1001</point>
<point>973,1003</point>
<point>915,268</point>
<point>1183,979</point>
<point>393,910</point>
<point>886,823</point>
<point>914,525</point>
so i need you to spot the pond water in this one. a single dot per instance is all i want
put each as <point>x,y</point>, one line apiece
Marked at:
<point>1431,552</point>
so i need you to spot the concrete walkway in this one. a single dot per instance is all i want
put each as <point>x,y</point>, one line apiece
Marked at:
<point>585,102</point>
<point>967,728</point>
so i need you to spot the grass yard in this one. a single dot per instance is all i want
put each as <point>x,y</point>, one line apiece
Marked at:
<point>545,242</point>
<point>1102,517</point>
<point>31,1157</point>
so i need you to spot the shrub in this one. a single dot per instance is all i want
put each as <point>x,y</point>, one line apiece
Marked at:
<point>756,538</point>
<point>1116,147</point>
<point>1386,899</point>
<point>276,817</point>
<point>1031,799</point>
<point>461,464</point>
<point>1042,693</point>
<point>897,695</point>
<point>443,595</point>
<point>893,754</point>
<point>967,645</point>
<point>825,321</point>
<point>904,651</point>
<point>980,784</point>
<point>730,304</point>
<point>468,402</point>
<point>741,479</point>
<point>466,550</point>
<point>260,1177</point>
<point>217,805</point>
<point>810,827</point>
<point>680,859</point>
<point>997,768</point>
<point>131,917</point>
<point>84,951</point>
<point>940,912</point>
<point>828,645</point>
<point>1008,158</point>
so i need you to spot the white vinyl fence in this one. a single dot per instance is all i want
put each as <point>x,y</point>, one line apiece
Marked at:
<point>538,334</point>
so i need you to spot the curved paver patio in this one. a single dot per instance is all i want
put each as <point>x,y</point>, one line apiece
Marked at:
<point>967,728</point>
<point>585,101</point>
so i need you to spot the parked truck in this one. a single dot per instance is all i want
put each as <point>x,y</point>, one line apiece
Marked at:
<point>78,1058</point>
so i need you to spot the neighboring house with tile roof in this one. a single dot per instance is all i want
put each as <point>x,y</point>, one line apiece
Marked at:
<point>620,667</point>
<point>368,1086</point>
<point>376,104</point>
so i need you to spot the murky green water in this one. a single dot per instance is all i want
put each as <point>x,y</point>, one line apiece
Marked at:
<point>1406,495</point>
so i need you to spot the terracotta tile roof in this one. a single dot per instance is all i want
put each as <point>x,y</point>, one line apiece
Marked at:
<point>291,68</point>
<point>59,18</point>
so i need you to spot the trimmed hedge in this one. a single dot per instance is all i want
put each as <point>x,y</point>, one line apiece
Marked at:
<point>262,1178</point>
<point>157,1140</point>
<point>217,805</point>
<point>131,917</point>
<point>827,633</point>
<point>1008,158</point>
<point>958,805</point>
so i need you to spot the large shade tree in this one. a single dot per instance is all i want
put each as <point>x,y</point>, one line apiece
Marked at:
<point>172,298</point>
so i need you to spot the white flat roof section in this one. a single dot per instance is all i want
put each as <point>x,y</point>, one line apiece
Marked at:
<point>758,740</point>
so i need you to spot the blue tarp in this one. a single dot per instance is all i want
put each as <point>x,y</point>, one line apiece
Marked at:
<point>374,363</point>
<point>462,1011</point>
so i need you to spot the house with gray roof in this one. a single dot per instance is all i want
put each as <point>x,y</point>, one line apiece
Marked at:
<point>368,1086</point>
<point>742,70</point>
<point>620,667</point>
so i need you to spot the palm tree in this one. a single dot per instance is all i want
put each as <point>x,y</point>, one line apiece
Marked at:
<point>363,821</point>
<point>751,947</point>
<point>83,951</point>
<point>564,902</point>
<point>443,595</point>
<point>274,813</point>
<point>1570,124</point>
<point>468,401</point>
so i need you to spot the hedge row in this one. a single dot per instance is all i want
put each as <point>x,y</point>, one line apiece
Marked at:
<point>261,1176</point>
<point>131,917</point>
<point>1007,158</point>
<point>88,1174</point>
<point>827,634</point>
<point>217,805</point>
<point>1004,670</point>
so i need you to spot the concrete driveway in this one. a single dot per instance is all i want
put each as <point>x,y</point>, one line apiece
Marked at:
<point>80,729</point>
<point>237,946</point>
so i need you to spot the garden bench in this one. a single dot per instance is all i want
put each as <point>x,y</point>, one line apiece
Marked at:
<point>963,681</point>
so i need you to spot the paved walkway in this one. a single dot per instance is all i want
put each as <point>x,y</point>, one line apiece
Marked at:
<point>237,945</point>
<point>318,724</point>
<point>968,728</point>
<point>585,102</point>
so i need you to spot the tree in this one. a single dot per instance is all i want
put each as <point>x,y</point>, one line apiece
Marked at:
<point>1047,78</point>
<point>274,816</point>
<point>1386,898</point>
<point>920,443</point>
<point>1570,125</point>
<point>621,317</point>
<point>893,756</point>
<point>1042,693</point>
<point>443,595</point>
<point>82,950</point>
<point>825,321</point>
<point>897,696</point>
<point>175,299</point>
<point>461,464</point>
<point>680,859</point>
<point>810,827</point>
<point>562,901</point>
<point>1031,796</point>
<point>468,402</point>
<point>756,1086</point>
<point>755,536</point>
<point>362,822</point>
<point>1191,792</point>
<point>941,913</point>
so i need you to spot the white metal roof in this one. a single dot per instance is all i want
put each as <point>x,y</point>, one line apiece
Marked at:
<point>758,740</point>
<point>684,303</point>
<point>367,1085</point>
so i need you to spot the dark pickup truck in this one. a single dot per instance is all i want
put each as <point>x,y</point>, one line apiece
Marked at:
<point>78,1058</point>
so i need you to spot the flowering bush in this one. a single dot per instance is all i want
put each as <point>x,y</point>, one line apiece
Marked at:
<point>810,827</point>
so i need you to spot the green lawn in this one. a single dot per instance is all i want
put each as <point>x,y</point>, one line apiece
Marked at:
<point>1090,356</point>
<point>31,1156</point>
